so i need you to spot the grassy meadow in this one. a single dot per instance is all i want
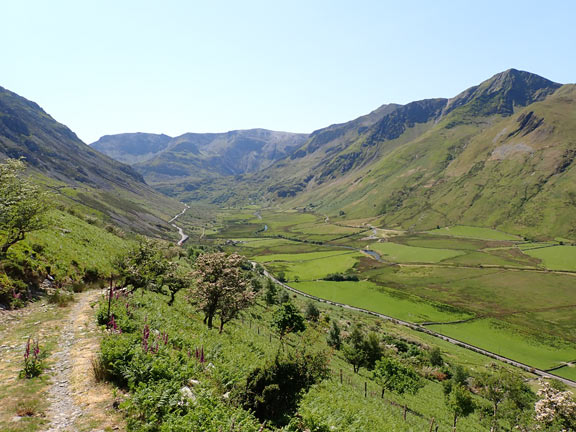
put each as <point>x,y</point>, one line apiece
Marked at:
<point>444,275</point>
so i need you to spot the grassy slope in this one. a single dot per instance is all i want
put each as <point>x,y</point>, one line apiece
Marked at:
<point>246,344</point>
<point>470,172</point>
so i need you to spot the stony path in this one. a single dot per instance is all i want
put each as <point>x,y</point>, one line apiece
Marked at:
<point>77,402</point>
<point>63,411</point>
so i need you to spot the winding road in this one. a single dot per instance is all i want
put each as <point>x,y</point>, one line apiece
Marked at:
<point>183,236</point>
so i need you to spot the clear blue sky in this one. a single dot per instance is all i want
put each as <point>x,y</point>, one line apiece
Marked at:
<point>104,67</point>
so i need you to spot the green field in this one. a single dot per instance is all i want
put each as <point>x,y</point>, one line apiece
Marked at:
<point>400,253</point>
<point>368,295</point>
<point>507,341</point>
<point>475,233</point>
<point>313,265</point>
<point>556,257</point>
<point>568,372</point>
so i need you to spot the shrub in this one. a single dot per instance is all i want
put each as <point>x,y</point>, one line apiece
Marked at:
<point>312,312</point>
<point>272,392</point>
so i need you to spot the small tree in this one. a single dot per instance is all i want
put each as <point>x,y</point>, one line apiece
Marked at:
<point>287,319</point>
<point>373,350</point>
<point>271,293</point>
<point>222,287</point>
<point>312,312</point>
<point>436,357</point>
<point>333,338</point>
<point>459,401</point>
<point>283,296</point>
<point>22,205</point>
<point>394,376</point>
<point>354,349</point>
<point>507,393</point>
<point>281,276</point>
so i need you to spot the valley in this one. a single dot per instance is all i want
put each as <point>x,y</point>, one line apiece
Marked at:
<point>463,282</point>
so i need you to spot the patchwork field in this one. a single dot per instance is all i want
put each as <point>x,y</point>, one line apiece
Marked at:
<point>444,275</point>
<point>555,257</point>
<point>368,295</point>
<point>475,233</point>
<point>509,342</point>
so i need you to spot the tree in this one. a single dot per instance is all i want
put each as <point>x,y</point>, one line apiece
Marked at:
<point>271,293</point>
<point>555,408</point>
<point>459,401</point>
<point>283,296</point>
<point>146,267</point>
<point>373,350</point>
<point>22,205</point>
<point>354,349</point>
<point>507,393</point>
<point>312,312</point>
<point>394,376</point>
<point>281,276</point>
<point>222,286</point>
<point>333,338</point>
<point>287,319</point>
<point>436,357</point>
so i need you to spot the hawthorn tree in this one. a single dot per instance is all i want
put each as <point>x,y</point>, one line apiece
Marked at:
<point>22,205</point>
<point>222,286</point>
<point>556,408</point>
<point>145,266</point>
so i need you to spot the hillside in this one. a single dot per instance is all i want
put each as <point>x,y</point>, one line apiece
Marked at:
<point>78,174</point>
<point>498,155</point>
<point>172,163</point>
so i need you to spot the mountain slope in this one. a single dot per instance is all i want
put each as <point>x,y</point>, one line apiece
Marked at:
<point>168,162</point>
<point>78,173</point>
<point>498,154</point>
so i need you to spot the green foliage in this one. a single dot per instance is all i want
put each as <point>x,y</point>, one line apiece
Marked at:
<point>394,376</point>
<point>223,286</point>
<point>287,319</point>
<point>312,313</point>
<point>271,292</point>
<point>33,360</point>
<point>435,356</point>
<point>146,266</point>
<point>272,392</point>
<point>460,402</point>
<point>333,339</point>
<point>22,205</point>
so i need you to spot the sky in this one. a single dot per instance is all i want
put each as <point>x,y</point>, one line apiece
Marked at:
<point>105,67</point>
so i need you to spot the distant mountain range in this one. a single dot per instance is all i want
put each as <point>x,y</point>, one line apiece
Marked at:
<point>499,154</point>
<point>78,173</point>
<point>164,161</point>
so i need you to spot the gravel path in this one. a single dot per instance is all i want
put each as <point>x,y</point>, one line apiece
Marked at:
<point>63,410</point>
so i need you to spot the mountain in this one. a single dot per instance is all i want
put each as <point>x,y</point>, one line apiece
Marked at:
<point>499,154</point>
<point>77,173</point>
<point>168,162</point>
<point>131,148</point>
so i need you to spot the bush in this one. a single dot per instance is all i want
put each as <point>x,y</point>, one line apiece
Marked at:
<point>312,312</point>
<point>272,392</point>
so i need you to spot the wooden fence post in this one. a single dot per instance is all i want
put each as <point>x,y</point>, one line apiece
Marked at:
<point>365,388</point>
<point>340,376</point>
<point>432,423</point>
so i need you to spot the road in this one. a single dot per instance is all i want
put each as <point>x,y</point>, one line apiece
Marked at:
<point>183,236</point>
